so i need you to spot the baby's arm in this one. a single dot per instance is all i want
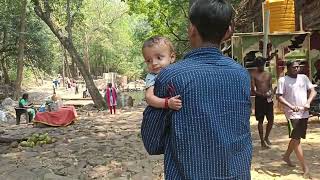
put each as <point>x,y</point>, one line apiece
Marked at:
<point>173,103</point>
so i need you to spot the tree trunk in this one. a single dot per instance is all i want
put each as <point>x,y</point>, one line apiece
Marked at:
<point>39,75</point>
<point>73,69</point>
<point>21,46</point>
<point>93,90</point>
<point>86,53</point>
<point>5,70</point>
<point>66,63</point>
<point>3,58</point>
<point>63,68</point>
<point>68,44</point>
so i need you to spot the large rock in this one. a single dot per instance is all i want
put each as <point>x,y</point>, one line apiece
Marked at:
<point>8,102</point>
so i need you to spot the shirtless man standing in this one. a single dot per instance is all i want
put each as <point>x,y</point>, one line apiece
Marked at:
<point>262,88</point>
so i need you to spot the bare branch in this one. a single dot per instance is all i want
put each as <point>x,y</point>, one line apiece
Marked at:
<point>116,18</point>
<point>180,4</point>
<point>38,10</point>
<point>170,29</point>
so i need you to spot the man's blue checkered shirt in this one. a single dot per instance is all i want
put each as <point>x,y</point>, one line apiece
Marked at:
<point>209,137</point>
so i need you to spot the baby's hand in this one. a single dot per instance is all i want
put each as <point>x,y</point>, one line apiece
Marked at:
<point>175,103</point>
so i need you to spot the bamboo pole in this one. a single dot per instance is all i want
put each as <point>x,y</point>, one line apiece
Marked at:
<point>301,22</point>
<point>266,32</point>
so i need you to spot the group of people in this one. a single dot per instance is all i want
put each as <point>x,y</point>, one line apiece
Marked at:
<point>73,85</point>
<point>199,107</point>
<point>295,92</point>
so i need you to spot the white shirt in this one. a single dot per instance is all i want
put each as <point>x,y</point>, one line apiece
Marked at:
<point>294,90</point>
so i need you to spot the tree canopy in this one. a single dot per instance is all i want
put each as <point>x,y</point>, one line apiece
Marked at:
<point>90,37</point>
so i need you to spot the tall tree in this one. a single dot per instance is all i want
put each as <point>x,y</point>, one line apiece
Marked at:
<point>21,47</point>
<point>44,10</point>
<point>3,56</point>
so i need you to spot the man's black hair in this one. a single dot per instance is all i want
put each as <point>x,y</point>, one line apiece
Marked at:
<point>291,62</point>
<point>260,61</point>
<point>211,18</point>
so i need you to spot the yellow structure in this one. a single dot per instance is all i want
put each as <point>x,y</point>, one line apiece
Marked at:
<point>282,15</point>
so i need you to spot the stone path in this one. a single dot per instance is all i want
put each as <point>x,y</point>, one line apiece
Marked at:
<point>267,164</point>
<point>97,146</point>
<point>102,146</point>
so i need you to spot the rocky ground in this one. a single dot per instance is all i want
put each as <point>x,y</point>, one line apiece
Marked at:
<point>267,164</point>
<point>97,146</point>
<point>103,146</point>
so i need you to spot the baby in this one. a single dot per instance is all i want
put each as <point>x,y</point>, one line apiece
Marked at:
<point>158,53</point>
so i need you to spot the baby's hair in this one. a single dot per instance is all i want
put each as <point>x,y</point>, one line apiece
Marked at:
<point>156,40</point>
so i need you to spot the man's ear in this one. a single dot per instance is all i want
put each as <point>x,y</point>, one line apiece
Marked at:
<point>192,30</point>
<point>193,35</point>
<point>228,33</point>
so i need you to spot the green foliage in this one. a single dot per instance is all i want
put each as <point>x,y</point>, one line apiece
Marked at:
<point>112,35</point>
<point>40,52</point>
<point>166,17</point>
<point>112,32</point>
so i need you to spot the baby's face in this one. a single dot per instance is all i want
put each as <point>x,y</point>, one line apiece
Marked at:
<point>157,57</point>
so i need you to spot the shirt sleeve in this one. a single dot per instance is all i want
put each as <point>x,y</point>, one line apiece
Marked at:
<point>150,80</point>
<point>22,103</point>
<point>155,123</point>
<point>308,83</point>
<point>280,87</point>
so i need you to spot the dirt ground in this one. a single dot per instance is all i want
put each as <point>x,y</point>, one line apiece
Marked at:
<point>267,164</point>
<point>104,146</point>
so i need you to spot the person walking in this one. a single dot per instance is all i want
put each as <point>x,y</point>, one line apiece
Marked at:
<point>262,88</point>
<point>292,92</point>
<point>209,137</point>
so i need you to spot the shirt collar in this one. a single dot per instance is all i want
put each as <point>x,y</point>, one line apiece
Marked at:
<point>203,51</point>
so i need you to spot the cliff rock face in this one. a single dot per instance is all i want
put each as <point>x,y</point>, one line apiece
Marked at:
<point>311,14</point>
<point>250,11</point>
<point>247,12</point>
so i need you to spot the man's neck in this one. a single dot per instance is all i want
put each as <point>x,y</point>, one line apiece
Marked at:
<point>293,75</point>
<point>205,44</point>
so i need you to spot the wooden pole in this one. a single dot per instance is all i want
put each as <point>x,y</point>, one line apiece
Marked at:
<point>253,27</point>
<point>301,22</point>
<point>266,32</point>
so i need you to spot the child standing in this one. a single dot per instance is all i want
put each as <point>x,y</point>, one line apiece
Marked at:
<point>111,98</point>
<point>158,53</point>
